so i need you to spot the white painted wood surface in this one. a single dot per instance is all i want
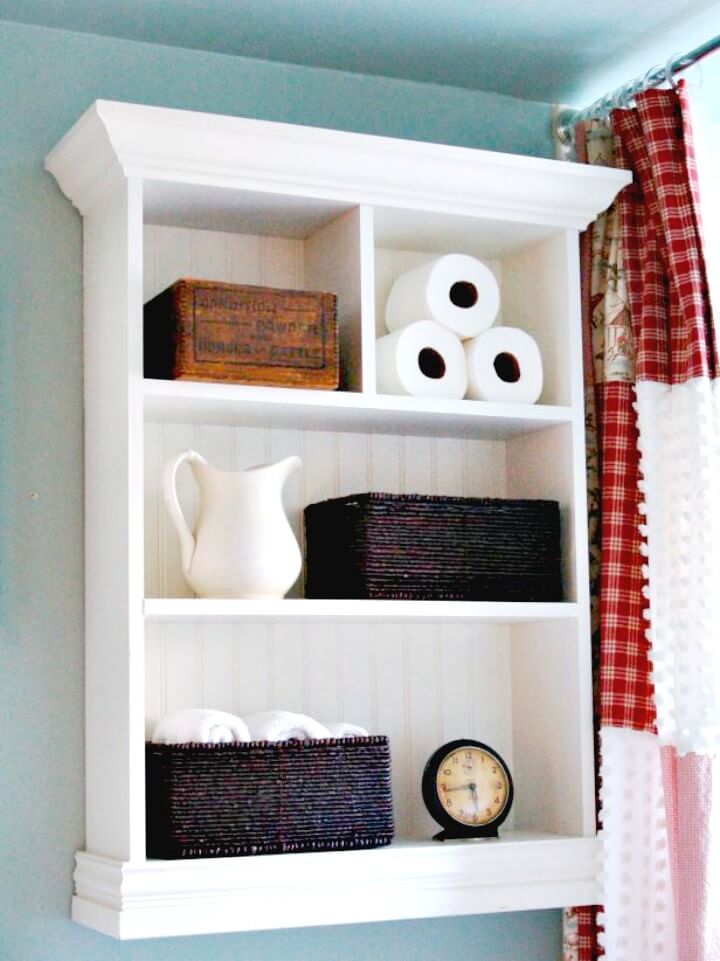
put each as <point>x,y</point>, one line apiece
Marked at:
<point>114,661</point>
<point>155,899</point>
<point>191,159</point>
<point>261,203</point>
<point>319,611</point>
<point>196,402</point>
<point>336,261</point>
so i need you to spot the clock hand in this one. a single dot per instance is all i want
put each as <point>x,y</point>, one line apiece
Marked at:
<point>461,787</point>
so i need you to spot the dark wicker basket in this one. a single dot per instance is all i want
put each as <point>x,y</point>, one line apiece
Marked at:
<point>410,546</point>
<point>221,800</point>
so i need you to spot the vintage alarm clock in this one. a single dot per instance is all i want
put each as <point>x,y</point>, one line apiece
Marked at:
<point>467,788</point>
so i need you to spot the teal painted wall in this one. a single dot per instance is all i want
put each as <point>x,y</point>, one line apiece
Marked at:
<point>47,79</point>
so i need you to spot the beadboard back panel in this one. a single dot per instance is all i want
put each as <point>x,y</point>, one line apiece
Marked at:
<point>421,685</point>
<point>329,259</point>
<point>333,465</point>
<point>173,252</point>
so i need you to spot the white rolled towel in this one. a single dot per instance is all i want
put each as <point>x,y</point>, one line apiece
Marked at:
<point>284,726</point>
<point>200,726</point>
<point>344,729</point>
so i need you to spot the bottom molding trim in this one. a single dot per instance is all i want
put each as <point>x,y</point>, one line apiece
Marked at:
<point>517,872</point>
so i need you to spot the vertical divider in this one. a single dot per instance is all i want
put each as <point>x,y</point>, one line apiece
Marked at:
<point>580,508</point>
<point>367,299</point>
<point>535,285</point>
<point>333,263</point>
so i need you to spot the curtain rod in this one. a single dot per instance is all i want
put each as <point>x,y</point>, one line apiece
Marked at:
<point>567,118</point>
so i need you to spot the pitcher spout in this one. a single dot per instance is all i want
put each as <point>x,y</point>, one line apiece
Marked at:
<point>286,467</point>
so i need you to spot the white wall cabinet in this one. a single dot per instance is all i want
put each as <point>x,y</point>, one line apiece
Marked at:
<point>167,193</point>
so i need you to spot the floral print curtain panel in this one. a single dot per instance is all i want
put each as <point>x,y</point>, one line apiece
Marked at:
<point>653,428</point>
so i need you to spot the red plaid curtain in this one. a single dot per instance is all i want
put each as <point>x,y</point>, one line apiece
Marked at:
<point>659,325</point>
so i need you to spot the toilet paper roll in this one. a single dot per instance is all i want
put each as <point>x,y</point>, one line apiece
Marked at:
<point>504,364</point>
<point>457,291</point>
<point>422,360</point>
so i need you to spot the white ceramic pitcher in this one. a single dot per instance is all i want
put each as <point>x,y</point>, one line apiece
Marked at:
<point>242,545</point>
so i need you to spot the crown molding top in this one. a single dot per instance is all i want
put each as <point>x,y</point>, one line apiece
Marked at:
<point>119,140</point>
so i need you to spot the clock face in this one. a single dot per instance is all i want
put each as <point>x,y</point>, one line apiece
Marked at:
<point>467,788</point>
<point>472,785</point>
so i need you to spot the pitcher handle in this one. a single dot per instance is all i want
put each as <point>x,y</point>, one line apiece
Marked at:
<point>187,541</point>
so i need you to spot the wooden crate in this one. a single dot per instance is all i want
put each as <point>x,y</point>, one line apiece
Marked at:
<point>206,330</point>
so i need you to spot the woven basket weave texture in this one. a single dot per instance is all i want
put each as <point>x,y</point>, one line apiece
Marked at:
<point>417,547</point>
<point>221,800</point>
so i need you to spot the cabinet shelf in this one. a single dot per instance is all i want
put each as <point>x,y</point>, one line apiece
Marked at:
<point>408,879</point>
<point>194,402</point>
<point>298,609</point>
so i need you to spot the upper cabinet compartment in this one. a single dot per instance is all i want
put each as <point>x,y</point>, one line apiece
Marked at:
<point>246,201</point>
<point>267,241</point>
<point>535,269</point>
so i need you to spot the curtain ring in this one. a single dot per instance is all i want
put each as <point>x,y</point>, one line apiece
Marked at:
<point>631,89</point>
<point>651,77</point>
<point>620,97</point>
<point>669,78</point>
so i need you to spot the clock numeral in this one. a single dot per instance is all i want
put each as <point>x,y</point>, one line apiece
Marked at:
<point>468,754</point>
<point>475,819</point>
<point>456,759</point>
<point>498,785</point>
<point>496,801</point>
<point>488,812</point>
<point>494,770</point>
<point>449,802</point>
<point>447,771</point>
